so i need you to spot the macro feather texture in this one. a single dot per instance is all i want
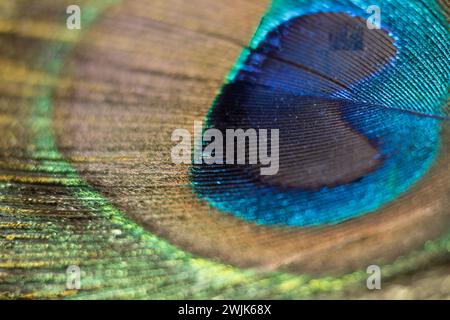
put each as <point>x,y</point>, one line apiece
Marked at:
<point>87,179</point>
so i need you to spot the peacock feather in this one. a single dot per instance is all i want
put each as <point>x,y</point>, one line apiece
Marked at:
<point>87,179</point>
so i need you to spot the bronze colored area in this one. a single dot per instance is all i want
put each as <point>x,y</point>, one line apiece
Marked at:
<point>145,70</point>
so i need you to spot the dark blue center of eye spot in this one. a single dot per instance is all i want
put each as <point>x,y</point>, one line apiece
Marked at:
<point>317,149</point>
<point>339,158</point>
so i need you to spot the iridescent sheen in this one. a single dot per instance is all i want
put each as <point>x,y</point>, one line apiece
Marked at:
<point>287,72</point>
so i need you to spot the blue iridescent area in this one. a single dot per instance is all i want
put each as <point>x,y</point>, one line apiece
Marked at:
<point>316,73</point>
